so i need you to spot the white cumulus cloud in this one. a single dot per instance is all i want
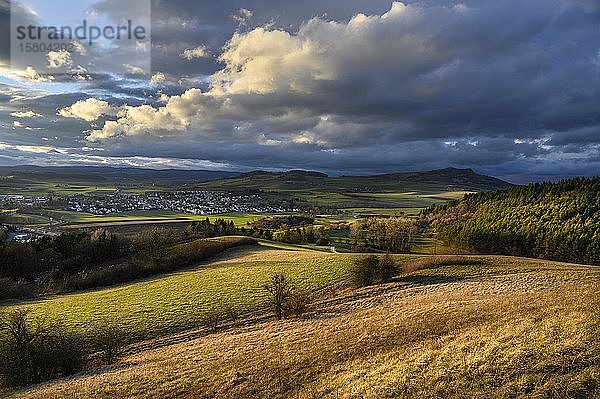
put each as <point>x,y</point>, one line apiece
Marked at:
<point>25,114</point>
<point>191,53</point>
<point>59,59</point>
<point>88,110</point>
<point>158,78</point>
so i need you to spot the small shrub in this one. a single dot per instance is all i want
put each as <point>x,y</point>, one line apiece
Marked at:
<point>70,350</point>
<point>387,268</point>
<point>297,302</point>
<point>364,271</point>
<point>213,319</point>
<point>32,351</point>
<point>232,313</point>
<point>372,269</point>
<point>10,289</point>
<point>110,339</point>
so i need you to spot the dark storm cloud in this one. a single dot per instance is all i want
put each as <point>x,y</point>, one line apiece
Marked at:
<point>505,87</point>
<point>181,24</point>
<point>4,32</point>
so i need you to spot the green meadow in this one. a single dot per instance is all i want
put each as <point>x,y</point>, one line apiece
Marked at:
<point>178,301</point>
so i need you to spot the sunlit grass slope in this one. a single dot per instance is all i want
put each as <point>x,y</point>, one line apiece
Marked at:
<point>181,300</point>
<point>503,329</point>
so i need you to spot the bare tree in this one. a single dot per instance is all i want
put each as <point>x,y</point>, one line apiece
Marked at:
<point>232,312</point>
<point>279,290</point>
<point>213,319</point>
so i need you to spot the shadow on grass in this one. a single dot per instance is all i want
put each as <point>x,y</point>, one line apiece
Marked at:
<point>423,280</point>
<point>94,370</point>
<point>376,294</point>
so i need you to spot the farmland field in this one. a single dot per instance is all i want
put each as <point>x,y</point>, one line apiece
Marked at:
<point>238,218</point>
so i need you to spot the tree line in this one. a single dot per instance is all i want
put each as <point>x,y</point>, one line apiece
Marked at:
<point>394,235</point>
<point>555,221</point>
<point>83,260</point>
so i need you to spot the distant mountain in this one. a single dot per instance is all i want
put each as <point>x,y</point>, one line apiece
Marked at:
<point>449,179</point>
<point>109,175</point>
<point>289,174</point>
<point>81,179</point>
<point>452,177</point>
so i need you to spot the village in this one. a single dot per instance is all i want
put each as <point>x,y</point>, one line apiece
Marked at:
<point>191,202</point>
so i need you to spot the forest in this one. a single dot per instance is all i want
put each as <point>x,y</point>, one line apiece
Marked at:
<point>555,221</point>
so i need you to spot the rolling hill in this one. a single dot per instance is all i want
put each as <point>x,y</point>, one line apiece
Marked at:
<point>491,327</point>
<point>35,179</point>
<point>154,306</point>
<point>449,179</point>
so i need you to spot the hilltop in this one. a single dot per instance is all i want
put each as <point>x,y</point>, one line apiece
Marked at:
<point>449,179</point>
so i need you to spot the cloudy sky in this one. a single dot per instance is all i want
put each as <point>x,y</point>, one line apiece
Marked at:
<point>506,87</point>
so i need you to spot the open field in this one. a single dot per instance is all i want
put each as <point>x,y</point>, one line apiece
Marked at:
<point>350,200</point>
<point>178,301</point>
<point>22,219</point>
<point>385,211</point>
<point>83,217</point>
<point>504,328</point>
<point>451,195</point>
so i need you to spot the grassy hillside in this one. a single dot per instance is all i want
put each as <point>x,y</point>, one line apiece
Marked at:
<point>178,301</point>
<point>505,328</point>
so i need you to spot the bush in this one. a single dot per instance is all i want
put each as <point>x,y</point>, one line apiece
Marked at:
<point>297,302</point>
<point>370,269</point>
<point>31,351</point>
<point>364,271</point>
<point>69,351</point>
<point>387,268</point>
<point>232,312</point>
<point>110,340</point>
<point>213,319</point>
<point>10,289</point>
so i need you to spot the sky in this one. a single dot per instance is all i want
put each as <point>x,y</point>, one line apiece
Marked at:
<point>505,87</point>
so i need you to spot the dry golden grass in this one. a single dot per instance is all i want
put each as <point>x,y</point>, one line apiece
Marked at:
<point>509,329</point>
